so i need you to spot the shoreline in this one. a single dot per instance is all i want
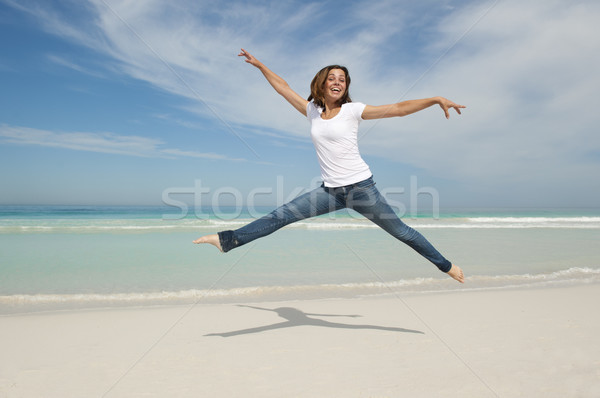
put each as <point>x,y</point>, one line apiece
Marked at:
<point>538,341</point>
<point>54,302</point>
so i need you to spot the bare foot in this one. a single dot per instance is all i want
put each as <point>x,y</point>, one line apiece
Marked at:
<point>212,239</point>
<point>457,273</point>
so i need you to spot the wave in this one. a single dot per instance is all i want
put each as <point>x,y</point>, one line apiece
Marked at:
<point>24,302</point>
<point>536,222</point>
<point>331,222</point>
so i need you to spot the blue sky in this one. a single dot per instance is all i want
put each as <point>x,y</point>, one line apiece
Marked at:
<point>118,102</point>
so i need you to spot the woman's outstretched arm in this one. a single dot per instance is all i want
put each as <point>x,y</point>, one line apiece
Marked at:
<point>278,83</point>
<point>408,107</point>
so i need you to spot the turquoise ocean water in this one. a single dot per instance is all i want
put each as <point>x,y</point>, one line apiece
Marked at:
<point>58,257</point>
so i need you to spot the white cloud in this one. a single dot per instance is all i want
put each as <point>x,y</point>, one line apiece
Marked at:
<point>189,49</point>
<point>67,63</point>
<point>101,143</point>
<point>196,154</point>
<point>528,74</point>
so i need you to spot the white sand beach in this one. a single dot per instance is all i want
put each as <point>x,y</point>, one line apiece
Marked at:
<point>498,343</point>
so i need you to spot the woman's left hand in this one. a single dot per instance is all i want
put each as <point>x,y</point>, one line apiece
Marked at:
<point>446,104</point>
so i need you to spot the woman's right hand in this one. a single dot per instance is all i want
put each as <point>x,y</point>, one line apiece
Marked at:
<point>249,58</point>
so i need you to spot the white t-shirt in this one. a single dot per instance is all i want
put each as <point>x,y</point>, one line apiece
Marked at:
<point>336,142</point>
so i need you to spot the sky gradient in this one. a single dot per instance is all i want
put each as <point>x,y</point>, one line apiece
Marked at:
<point>119,102</point>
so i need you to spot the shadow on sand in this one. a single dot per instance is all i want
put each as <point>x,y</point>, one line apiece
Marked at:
<point>294,317</point>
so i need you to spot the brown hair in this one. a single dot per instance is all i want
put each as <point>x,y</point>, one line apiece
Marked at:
<point>318,82</point>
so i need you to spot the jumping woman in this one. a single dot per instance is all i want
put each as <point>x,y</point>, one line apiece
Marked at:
<point>347,179</point>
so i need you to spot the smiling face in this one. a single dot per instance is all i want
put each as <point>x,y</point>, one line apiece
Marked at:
<point>335,86</point>
<point>331,84</point>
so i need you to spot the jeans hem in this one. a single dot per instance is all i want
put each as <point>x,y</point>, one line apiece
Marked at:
<point>226,240</point>
<point>448,265</point>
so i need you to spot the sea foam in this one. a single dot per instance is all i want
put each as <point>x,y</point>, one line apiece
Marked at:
<point>36,302</point>
<point>17,226</point>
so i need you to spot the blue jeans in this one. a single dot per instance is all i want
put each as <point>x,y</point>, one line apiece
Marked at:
<point>362,197</point>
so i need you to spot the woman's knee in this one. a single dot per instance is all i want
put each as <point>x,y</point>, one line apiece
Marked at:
<point>404,233</point>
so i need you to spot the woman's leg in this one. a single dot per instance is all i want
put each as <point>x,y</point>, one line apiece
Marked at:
<point>370,203</point>
<point>310,204</point>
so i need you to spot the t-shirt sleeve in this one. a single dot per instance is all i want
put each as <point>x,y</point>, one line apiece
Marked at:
<point>357,108</point>
<point>311,110</point>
